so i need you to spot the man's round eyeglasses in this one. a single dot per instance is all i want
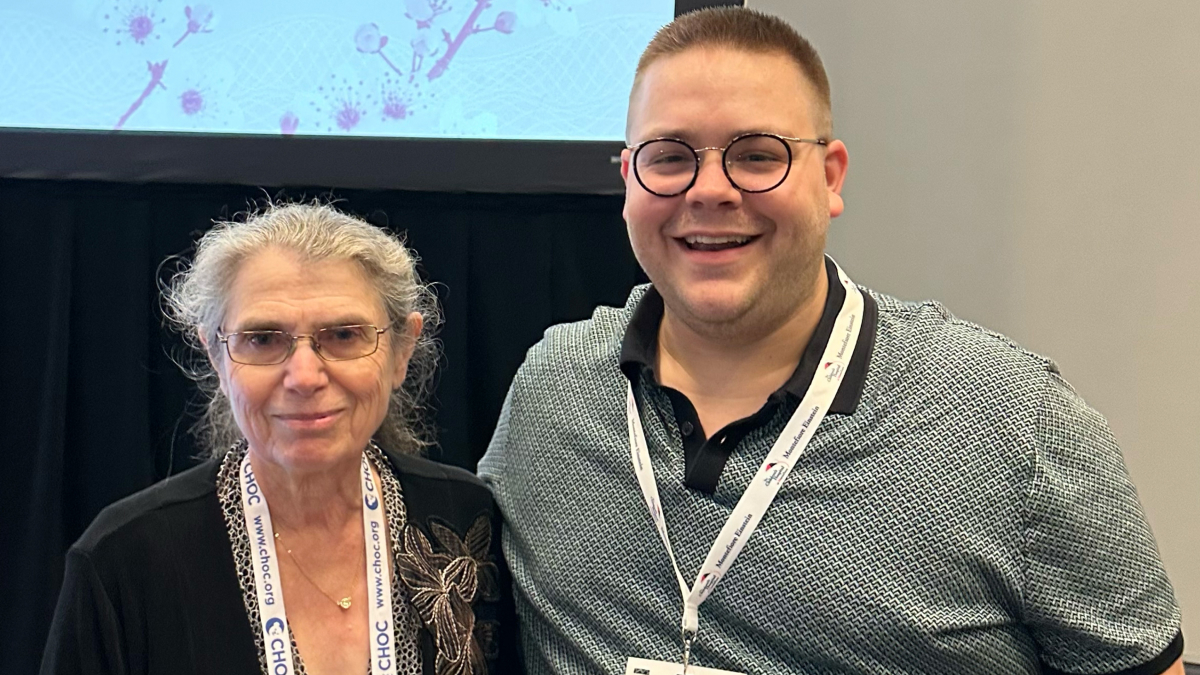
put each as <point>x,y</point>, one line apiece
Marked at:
<point>752,162</point>
<point>270,347</point>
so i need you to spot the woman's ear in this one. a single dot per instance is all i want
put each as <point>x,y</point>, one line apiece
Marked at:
<point>212,360</point>
<point>407,336</point>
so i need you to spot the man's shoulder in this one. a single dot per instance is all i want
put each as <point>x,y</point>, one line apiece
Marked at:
<point>926,340</point>
<point>579,346</point>
<point>572,377</point>
<point>928,325</point>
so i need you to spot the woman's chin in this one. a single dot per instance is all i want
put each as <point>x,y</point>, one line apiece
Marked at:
<point>311,454</point>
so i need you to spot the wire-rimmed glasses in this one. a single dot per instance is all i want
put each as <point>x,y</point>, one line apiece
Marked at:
<point>270,347</point>
<point>757,162</point>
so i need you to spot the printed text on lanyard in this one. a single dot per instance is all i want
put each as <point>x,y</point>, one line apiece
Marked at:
<point>767,481</point>
<point>276,636</point>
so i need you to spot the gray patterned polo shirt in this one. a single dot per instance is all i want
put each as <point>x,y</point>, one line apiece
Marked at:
<point>968,513</point>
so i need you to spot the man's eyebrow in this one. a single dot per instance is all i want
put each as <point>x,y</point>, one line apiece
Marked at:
<point>678,134</point>
<point>761,130</point>
<point>690,137</point>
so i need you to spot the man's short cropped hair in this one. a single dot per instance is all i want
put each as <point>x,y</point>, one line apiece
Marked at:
<point>748,30</point>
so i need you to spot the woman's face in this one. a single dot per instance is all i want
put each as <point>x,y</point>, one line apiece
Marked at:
<point>307,413</point>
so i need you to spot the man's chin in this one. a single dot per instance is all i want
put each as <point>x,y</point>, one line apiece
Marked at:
<point>731,311</point>
<point>712,309</point>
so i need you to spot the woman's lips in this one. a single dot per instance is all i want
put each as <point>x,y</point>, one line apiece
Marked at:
<point>310,421</point>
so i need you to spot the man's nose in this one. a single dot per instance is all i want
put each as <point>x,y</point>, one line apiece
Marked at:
<point>712,184</point>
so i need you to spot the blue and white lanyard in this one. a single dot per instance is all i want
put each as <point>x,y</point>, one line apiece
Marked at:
<point>276,636</point>
<point>754,503</point>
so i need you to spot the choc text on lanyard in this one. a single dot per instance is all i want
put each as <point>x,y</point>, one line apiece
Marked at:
<point>276,637</point>
<point>758,496</point>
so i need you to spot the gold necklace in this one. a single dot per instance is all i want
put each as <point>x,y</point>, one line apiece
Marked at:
<point>344,603</point>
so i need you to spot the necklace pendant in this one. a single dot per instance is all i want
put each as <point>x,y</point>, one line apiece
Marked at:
<point>344,603</point>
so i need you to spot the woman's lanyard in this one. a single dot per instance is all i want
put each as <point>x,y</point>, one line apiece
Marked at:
<point>276,636</point>
<point>757,499</point>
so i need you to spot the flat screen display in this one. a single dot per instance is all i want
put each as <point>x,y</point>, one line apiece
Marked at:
<point>432,69</point>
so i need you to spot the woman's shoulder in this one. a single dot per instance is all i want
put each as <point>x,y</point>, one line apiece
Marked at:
<point>442,492</point>
<point>152,512</point>
<point>415,467</point>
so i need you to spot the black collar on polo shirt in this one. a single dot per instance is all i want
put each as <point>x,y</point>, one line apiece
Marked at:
<point>705,458</point>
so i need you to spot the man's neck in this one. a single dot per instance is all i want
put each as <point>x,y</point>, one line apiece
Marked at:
<point>728,375</point>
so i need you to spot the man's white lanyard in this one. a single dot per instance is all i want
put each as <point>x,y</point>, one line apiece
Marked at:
<point>276,637</point>
<point>766,482</point>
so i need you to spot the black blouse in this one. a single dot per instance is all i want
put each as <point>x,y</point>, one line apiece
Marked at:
<point>151,586</point>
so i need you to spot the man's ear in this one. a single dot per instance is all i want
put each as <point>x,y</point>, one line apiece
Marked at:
<point>407,334</point>
<point>625,154</point>
<point>212,361</point>
<point>836,161</point>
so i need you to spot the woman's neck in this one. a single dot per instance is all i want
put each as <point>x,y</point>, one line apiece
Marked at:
<point>327,498</point>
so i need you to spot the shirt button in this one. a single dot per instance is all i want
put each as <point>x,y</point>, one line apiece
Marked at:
<point>686,428</point>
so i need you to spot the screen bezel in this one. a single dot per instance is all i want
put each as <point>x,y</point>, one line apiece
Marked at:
<point>442,165</point>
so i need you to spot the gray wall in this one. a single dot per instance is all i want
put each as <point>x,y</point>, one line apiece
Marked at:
<point>1036,167</point>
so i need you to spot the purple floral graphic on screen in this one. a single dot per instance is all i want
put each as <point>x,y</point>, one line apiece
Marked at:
<point>288,123</point>
<point>348,115</point>
<point>426,36</point>
<point>134,22</point>
<point>425,44</point>
<point>506,22</point>
<point>399,99</point>
<point>396,106</point>
<point>198,19</point>
<point>139,22</point>
<point>422,45</point>
<point>368,40</point>
<point>156,74</point>
<point>344,104</point>
<point>191,101</point>
<point>468,29</point>
<point>425,11</point>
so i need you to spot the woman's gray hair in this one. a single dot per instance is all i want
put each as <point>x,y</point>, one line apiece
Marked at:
<point>195,299</point>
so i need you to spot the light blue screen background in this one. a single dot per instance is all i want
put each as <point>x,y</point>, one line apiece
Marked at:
<point>533,69</point>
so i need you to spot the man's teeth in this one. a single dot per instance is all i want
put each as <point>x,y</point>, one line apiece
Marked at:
<point>701,239</point>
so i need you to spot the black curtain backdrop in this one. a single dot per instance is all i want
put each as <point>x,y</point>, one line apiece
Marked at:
<point>94,409</point>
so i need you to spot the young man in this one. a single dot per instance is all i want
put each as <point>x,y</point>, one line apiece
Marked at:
<point>757,466</point>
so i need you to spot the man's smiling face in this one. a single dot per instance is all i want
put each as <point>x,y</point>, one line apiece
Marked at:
<point>721,257</point>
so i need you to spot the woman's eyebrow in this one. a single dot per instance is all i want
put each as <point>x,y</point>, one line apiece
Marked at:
<point>347,320</point>
<point>255,323</point>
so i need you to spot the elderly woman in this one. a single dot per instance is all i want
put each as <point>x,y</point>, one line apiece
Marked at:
<point>315,538</point>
